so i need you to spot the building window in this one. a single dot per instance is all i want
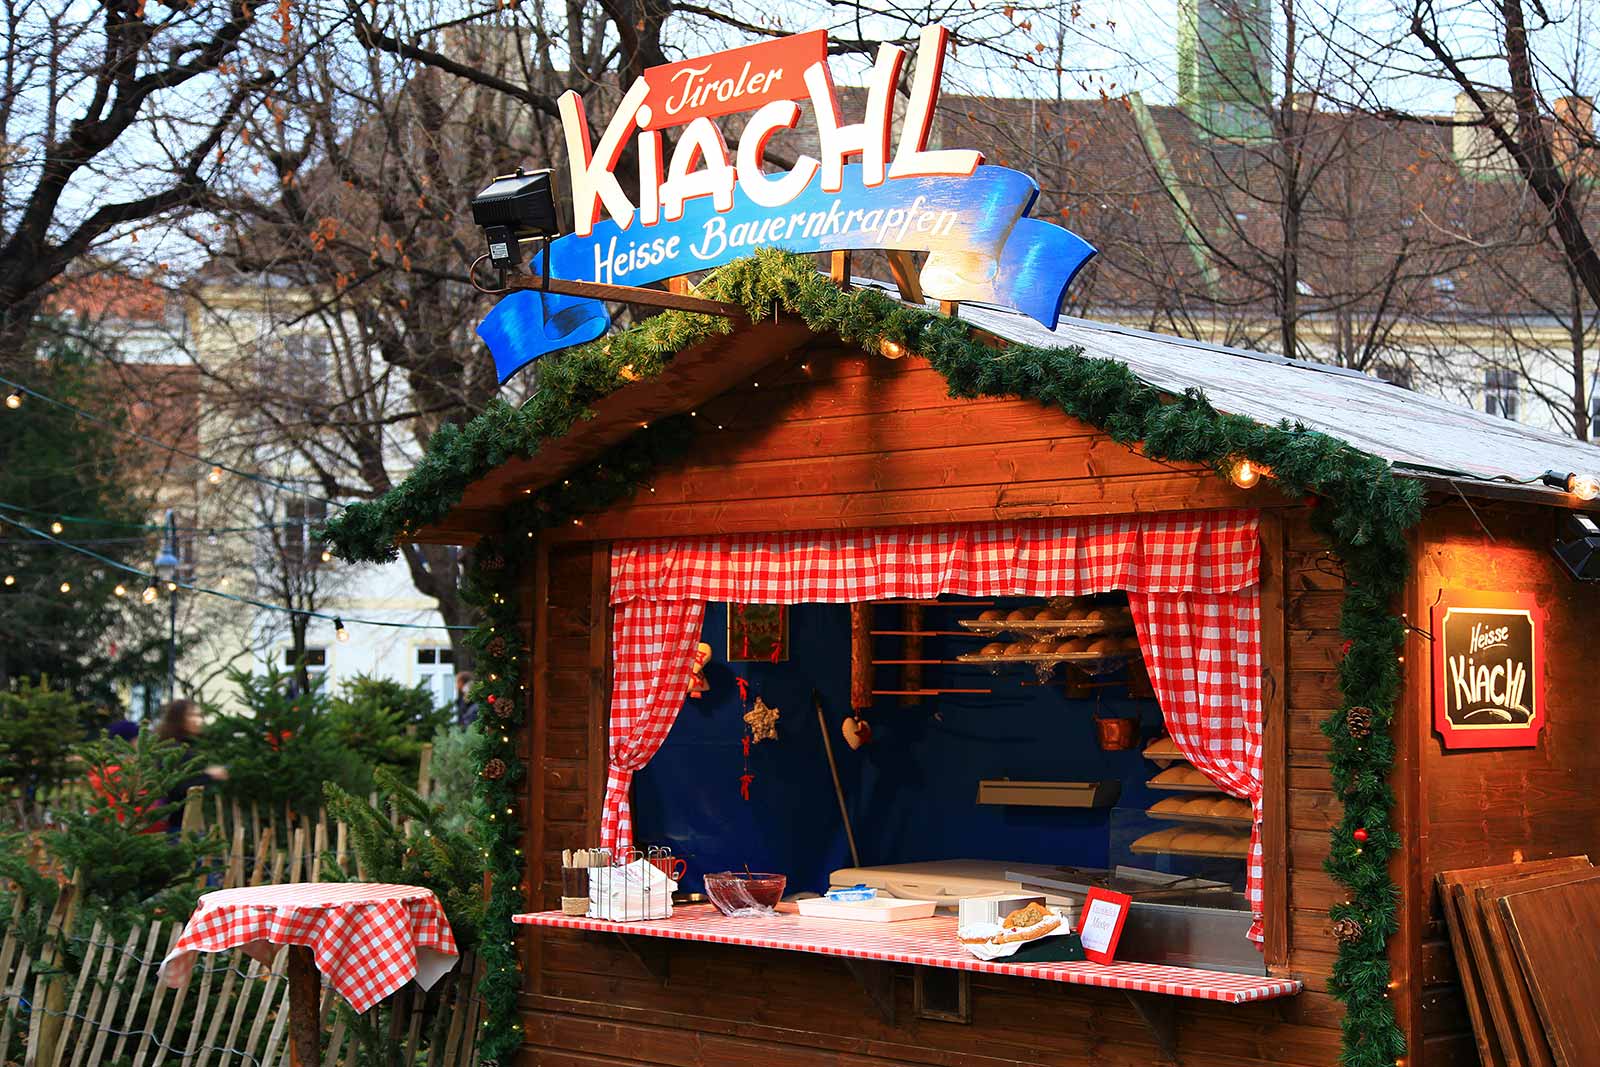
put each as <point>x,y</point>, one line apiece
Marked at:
<point>316,660</point>
<point>1500,392</point>
<point>436,672</point>
<point>1594,416</point>
<point>303,515</point>
<point>1394,373</point>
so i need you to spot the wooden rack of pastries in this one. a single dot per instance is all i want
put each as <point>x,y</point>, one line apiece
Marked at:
<point>1182,778</point>
<point>1194,841</point>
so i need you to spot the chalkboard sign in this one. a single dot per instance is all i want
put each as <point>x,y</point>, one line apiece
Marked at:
<point>1488,662</point>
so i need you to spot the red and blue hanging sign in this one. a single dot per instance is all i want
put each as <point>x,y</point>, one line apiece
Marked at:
<point>706,205</point>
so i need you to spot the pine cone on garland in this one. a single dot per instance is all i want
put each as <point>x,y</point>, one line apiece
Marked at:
<point>496,647</point>
<point>501,709</point>
<point>494,769</point>
<point>1347,931</point>
<point>1358,720</point>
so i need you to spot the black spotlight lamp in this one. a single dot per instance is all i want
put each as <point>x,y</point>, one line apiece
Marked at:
<point>1582,486</point>
<point>514,208</point>
<point>1578,546</point>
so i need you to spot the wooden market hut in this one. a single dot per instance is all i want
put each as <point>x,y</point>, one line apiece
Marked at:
<point>833,410</point>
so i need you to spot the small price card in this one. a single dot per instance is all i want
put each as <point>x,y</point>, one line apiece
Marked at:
<point>1104,912</point>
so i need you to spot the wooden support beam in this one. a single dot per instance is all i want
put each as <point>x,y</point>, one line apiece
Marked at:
<point>1160,1015</point>
<point>876,979</point>
<point>911,677</point>
<point>839,268</point>
<point>626,294</point>
<point>906,277</point>
<point>652,953</point>
<point>952,308</point>
<point>860,656</point>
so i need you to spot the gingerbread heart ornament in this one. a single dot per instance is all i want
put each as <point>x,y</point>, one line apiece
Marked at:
<point>857,732</point>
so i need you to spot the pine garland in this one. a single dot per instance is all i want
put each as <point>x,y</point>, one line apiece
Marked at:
<point>1359,506</point>
<point>501,698</point>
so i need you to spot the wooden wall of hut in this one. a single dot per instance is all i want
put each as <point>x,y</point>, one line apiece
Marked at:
<point>1496,806</point>
<point>834,438</point>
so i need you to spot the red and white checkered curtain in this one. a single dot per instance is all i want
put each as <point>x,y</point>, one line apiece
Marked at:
<point>1203,651</point>
<point>1191,578</point>
<point>652,646</point>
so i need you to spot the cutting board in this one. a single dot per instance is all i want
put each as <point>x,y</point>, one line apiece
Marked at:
<point>943,881</point>
<point>876,910</point>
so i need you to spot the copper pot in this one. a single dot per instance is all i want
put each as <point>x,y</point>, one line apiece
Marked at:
<point>1117,735</point>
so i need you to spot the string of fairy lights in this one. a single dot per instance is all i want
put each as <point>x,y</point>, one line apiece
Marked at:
<point>51,528</point>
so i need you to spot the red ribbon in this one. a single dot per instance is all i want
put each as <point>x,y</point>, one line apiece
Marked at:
<point>744,785</point>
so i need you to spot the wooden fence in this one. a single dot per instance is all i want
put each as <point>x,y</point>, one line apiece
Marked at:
<point>91,998</point>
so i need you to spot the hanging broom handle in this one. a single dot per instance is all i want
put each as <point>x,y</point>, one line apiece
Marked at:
<point>838,790</point>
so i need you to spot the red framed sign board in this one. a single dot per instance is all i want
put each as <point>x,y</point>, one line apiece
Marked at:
<point>1488,669</point>
<point>1100,928</point>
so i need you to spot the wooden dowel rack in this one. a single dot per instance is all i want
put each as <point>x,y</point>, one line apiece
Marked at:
<point>924,633</point>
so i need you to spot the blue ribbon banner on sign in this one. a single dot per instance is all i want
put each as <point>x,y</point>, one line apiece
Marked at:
<point>983,248</point>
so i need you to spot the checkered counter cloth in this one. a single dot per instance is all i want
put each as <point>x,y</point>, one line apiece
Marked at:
<point>368,939</point>
<point>929,942</point>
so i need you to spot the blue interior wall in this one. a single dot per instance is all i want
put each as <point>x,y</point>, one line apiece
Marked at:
<point>912,793</point>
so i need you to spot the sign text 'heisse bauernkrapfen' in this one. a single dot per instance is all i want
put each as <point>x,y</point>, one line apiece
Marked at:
<point>704,204</point>
<point>1487,661</point>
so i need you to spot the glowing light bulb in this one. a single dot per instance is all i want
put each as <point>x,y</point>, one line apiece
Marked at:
<point>14,399</point>
<point>1583,486</point>
<point>339,631</point>
<point>214,475</point>
<point>172,587</point>
<point>211,537</point>
<point>327,557</point>
<point>66,587</point>
<point>891,349</point>
<point>1245,474</point>
<point>11,579</point>
<point>120,590</point>
<point>56,527</point>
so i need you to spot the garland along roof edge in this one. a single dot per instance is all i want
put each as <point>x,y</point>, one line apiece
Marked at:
<point>1365,517</point>
<point>869,313</point>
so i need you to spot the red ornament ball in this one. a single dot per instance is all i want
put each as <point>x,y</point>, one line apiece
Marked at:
<point>1360,834</point>
<point>490,698</point>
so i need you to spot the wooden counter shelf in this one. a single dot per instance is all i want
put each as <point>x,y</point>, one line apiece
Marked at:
<point>920,942</point>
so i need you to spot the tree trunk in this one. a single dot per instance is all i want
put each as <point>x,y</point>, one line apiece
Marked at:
<point>434,572</point>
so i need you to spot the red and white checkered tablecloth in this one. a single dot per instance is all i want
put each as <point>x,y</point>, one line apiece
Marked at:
<point>367,938</point>
<point>929,942</point>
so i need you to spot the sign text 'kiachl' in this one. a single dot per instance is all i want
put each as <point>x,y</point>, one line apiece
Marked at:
<point>1487,663</point>
<point>704,204</point>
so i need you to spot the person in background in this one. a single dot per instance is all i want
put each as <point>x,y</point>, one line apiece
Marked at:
<point>180,721</point>
<point>466,708</point>
<point>126,729</point>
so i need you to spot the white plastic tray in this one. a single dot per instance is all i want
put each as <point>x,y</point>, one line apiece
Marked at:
<point>876,910</point>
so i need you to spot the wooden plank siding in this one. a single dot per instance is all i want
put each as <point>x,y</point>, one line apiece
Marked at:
<point>1479,808</point>
<point>852,440</point>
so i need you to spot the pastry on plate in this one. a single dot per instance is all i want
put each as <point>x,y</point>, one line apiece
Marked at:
<point>991,616</point>
<point>1026,924</point>
<point>1049,615</point>
<point>1020,615</point>
<point>1169,806</point>
<point>993,648</point>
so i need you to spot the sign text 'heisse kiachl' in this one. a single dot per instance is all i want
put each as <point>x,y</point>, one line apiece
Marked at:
<point>1487,659</point>
<point>704,204</point>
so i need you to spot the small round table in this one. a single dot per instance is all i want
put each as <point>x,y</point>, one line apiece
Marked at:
<point>367,938</point>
